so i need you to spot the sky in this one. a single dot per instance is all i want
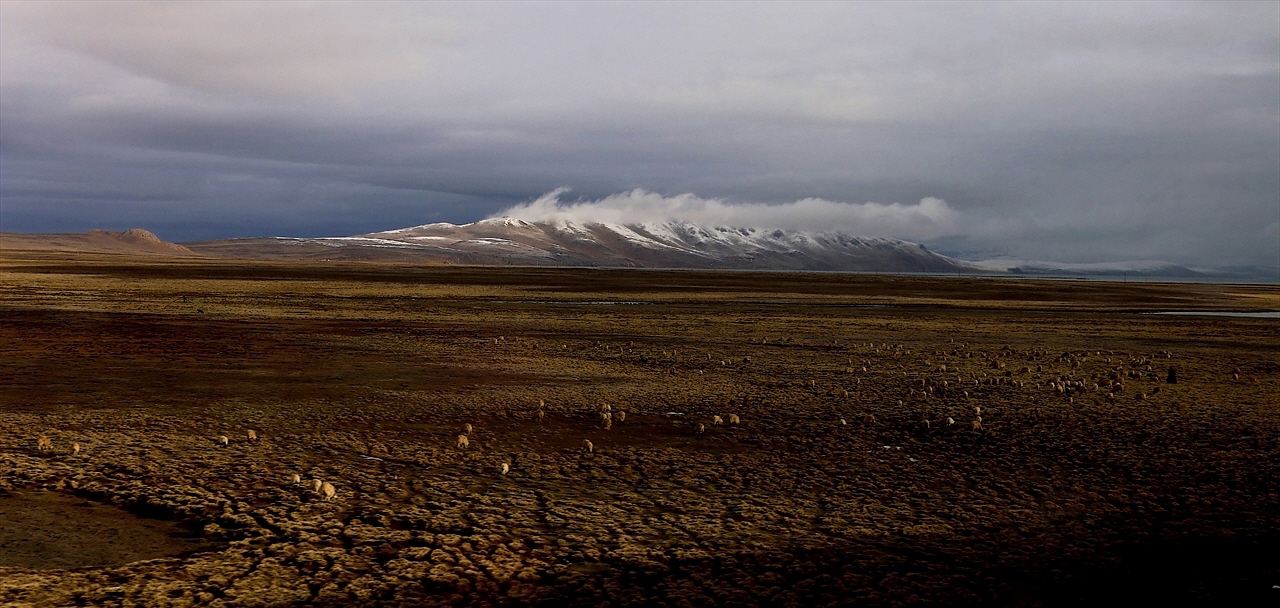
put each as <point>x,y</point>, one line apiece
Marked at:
<point>1073,132</point>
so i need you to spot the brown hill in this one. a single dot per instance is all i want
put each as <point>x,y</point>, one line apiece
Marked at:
<point>135,241</point>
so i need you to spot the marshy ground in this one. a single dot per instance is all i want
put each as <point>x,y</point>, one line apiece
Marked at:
<point>1089,479</point>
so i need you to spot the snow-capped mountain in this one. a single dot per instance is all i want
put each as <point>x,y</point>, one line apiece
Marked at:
<point>666,245</point>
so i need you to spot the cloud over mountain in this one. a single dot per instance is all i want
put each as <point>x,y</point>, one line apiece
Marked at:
<point>930,218</point>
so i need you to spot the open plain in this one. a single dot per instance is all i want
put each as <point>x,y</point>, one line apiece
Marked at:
<point>880,440</point>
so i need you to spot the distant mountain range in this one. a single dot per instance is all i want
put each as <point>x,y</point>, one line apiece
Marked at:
<point>507,241</point>
<point>131,242</point>
<point>668,245</point>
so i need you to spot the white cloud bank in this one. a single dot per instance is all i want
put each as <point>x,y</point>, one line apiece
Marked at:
<point>930,218</point>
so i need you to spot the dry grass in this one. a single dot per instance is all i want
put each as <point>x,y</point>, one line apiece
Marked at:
<point>362,374</point>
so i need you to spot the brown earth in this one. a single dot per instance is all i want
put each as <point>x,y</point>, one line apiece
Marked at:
<point>1134,491</point>
<point>134,241</point>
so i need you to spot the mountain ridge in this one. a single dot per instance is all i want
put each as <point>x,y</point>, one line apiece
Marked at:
<point>512,241</point>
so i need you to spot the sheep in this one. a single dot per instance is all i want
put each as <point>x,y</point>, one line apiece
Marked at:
<point>328,491</point>
<point>44,444</point>
<point>843,422</point>
<point>540,415</point>
<point>253,435</point>
<point>977,410</point>
<point>224,440</point>
<point>316,484</point>
<point>950,421</point>
<point>463,442</point>
<point>717,420</point>
<point>75,448</point>
<point>295,479</point>
<point>506,467</point>
<point>588,446</point>
<point>622,416</point>
<point>977,423</point>
<point>734,419</point>
<point>700,429</point>
<point>466,429</point>
<point>869,419</point>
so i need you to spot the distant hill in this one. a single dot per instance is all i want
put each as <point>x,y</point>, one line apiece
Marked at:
<point>135,241</point>
<point>506,241</point>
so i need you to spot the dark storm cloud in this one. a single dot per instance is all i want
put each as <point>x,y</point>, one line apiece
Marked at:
<point>1076,131</point>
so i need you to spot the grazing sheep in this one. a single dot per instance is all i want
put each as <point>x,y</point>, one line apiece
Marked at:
<point>295,479</point>
<point>75,448</point>
<point>540,415</point>
<point>44,444</point>
<point>506,467</point>
<point>466,428</point>
<point>316,484</point>
<point>950,420</point>
<point>463,442</point>
<point>869,419</point>
<point>224,440</point>
<point>843,422</point>
<point>977,410</point>
<point>253,435</point>
<point>734,419</point>
<point>622,416</point>
<point>977,423</point>
<point>328,491</point>
<point>701,428</point>
<point>588,446</point>
<point>717,420</point>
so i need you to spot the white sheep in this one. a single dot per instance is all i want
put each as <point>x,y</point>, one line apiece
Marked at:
<point>466,428</point>
<point>44,444</point>
<point>328,491</point>
<point>540,415</point>
<point>734,419</point>
<point>701,428</point>
<point>316,484</point>
<point>950,420</point>
<point>506,467</point>
<point>224,440</point>
<point>622,416</point>
<point>463,442</point>
<point>977,423</point>
<point>717,420</point>
<point>253,435</point>
<point>75,448</point>
<point>296,479</point>
<point>588,446</point>
<point>843,422</point>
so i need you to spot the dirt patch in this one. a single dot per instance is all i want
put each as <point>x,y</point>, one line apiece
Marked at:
<point>45,530</point>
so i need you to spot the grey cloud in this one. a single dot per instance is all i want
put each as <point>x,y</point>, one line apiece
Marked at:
<point>1075,131</point>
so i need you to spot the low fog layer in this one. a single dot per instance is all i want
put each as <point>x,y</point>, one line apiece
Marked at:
<point>1080,132</point>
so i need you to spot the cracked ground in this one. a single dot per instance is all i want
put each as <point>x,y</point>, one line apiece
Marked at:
<point>902,440</point>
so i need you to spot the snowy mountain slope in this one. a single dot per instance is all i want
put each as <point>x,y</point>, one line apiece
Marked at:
<point>667,245</point>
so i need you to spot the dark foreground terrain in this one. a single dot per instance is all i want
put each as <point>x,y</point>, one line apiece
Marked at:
<point>902,440</point>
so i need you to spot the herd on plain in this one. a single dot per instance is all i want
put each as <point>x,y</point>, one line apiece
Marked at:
<point>1064,386</point>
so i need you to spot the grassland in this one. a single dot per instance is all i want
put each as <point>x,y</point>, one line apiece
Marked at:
<point>1090,479</point>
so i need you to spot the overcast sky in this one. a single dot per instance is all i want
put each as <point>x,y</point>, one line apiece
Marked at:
<point>1072,132</point>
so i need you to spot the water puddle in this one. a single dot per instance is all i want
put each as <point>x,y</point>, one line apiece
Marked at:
<point>1221,313</point>
<point>41,529</point>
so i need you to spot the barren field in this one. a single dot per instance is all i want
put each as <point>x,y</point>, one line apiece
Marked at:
<point>898,440</point>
